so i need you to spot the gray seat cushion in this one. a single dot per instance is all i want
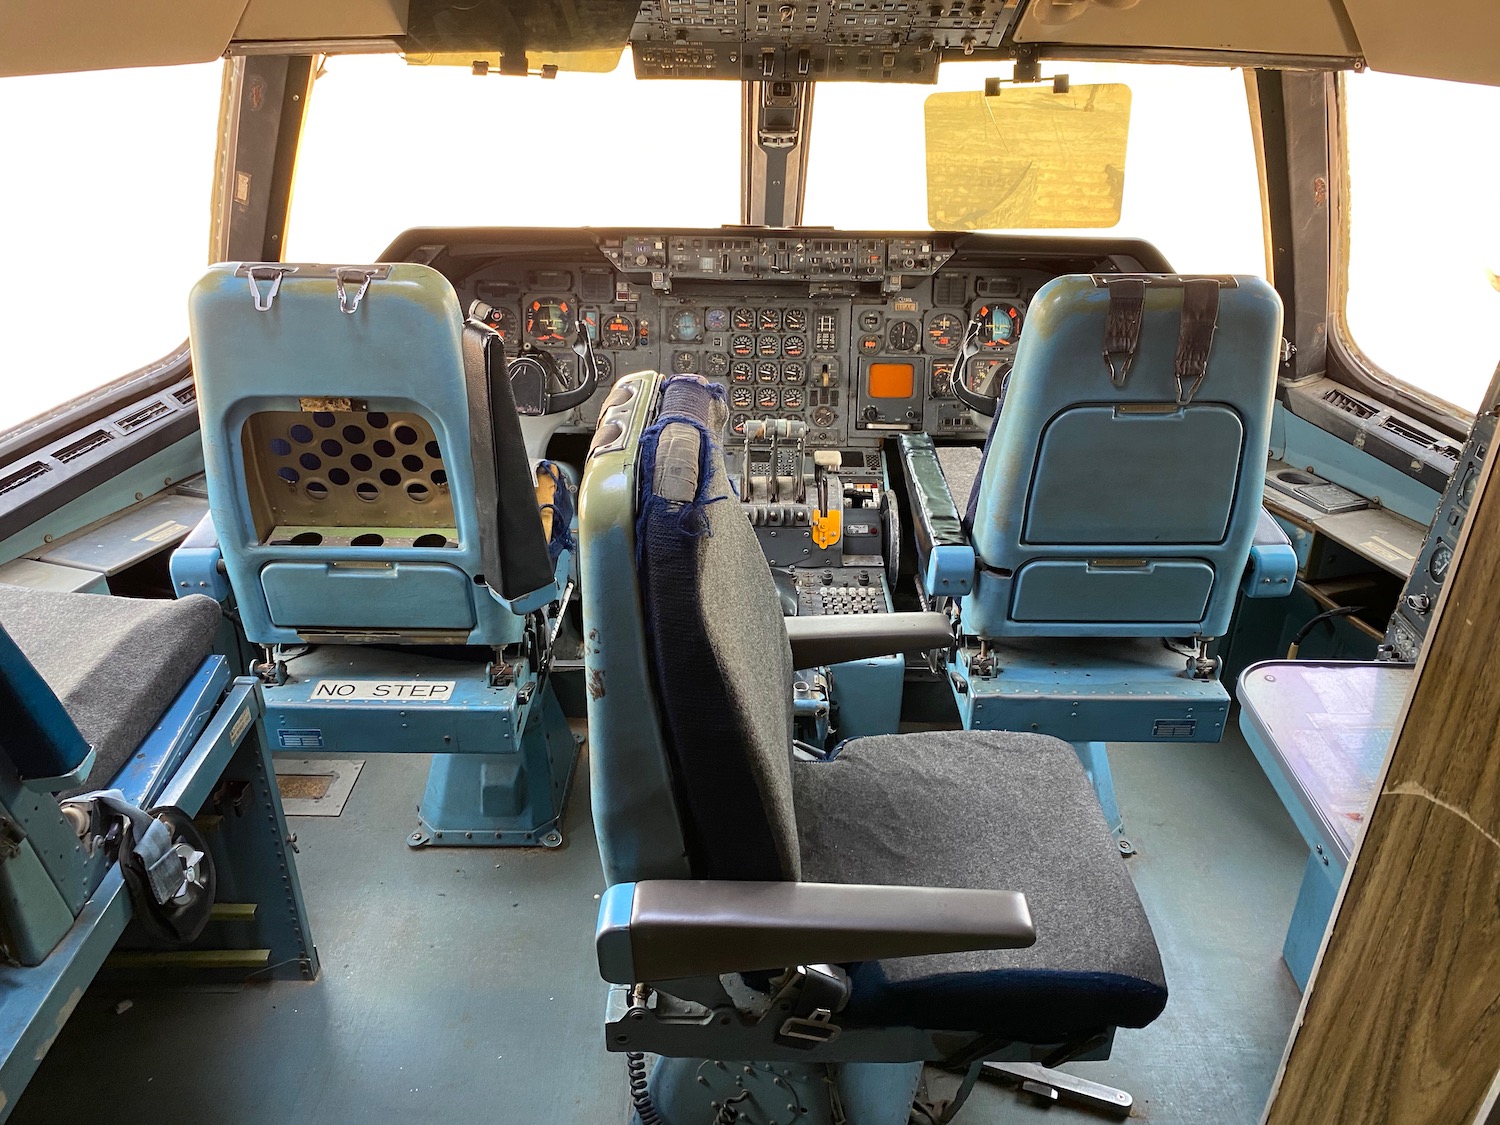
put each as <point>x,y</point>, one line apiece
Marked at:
<point>115,663</point>
<point>986,809</point>
<point>960,465</point>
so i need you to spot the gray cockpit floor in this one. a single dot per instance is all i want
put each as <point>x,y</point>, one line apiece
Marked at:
<point>460,985</point>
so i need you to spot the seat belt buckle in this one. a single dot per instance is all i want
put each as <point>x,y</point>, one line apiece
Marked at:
<point>819,991</point>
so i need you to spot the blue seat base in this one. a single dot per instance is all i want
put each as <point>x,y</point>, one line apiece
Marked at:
<point>503,800</point>
<point>503,757</point>
<point>1105,690</point>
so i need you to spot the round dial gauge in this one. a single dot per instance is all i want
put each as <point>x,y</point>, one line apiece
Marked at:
<point>869,344</point>
<point>988,376</point>
<point>944,332</point>
<point>869,320</point>
<point>824,416</point>
<point>1466,489</point>
<point>741,398</point>
<point>794,346</point>
<point>605,367</point>
<point>903,336</point>
<point>503,321</point>
<point>768,398</point>
<point>744,320</point>
<point>795,320</point>
<point>791,398</point>
<point>999,325</point>
<point>1442,558</point>
<point>687,326</point>
<point>768,346</point>
<point>716,364</point>
<point>617,332</point>
<point>942,378</point>
<point>767,373</point>
<point>738,423</point>
<point>770,320</point>
<point>741,372</point>
<point>684,363</point>
<point>551,320</point>
<point>717,320</point>
<point>793,373</point>
<point>742,345</point>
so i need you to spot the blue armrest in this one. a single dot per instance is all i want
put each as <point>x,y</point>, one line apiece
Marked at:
<point>945,558</point>
<point>667,929</point>
<point>1272,569</point>
<point>197,564</point>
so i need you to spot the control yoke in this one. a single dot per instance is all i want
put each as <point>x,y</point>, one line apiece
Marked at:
<point>534,373</point>
<point>967,350</point>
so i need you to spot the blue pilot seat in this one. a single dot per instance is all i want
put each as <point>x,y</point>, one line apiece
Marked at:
<point>1097,545</point>
<point>952,897</point>
<point>385,537</point>
<point>120,725</point>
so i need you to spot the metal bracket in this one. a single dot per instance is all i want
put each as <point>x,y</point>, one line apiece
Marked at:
<point>347,303</point>
<point>257,274</point>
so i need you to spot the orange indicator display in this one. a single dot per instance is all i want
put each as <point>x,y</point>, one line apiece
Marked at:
<point>892,380</point>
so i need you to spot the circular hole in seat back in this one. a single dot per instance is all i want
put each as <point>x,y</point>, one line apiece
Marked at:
<point>310,461</point>
<point>280,446</point>
<point>323,419</point>
<point>439,476</point>
<point>354,435</point>
<point>331,448</point>
<point>432,450</point>
<point>361,463</point>
<point>339,477</point>
<point>317,490</point>
<point>384,448</point>
<point>411,463</point>
<point>431,539</point>
<point>378,419</point>
<point>289,474</point>
<point>390,477</point>
<point>366,491</point>
<point>305,539</point>
<point>300,433</point>
<point>406,435</point>
<point>368,539</point>
<point>418,491</point>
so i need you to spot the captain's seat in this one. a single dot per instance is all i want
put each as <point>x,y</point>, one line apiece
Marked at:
<point>1115,514</point>
<point>371,496</point>
<point>951,897</point>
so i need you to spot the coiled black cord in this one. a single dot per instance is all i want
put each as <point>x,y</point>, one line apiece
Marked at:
<point>727,1114</point>
<point>640,1089</point>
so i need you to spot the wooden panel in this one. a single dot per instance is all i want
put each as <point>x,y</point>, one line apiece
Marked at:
<point>1458,39</point>
<point>1401,1022</point>
<point>50,36</point>
<point>1292,27</point>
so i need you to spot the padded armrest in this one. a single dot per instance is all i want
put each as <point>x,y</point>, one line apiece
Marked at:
<point>835,638</point>
<point>666,929</point>
<point>943,551</point>
<point>1272,568</point>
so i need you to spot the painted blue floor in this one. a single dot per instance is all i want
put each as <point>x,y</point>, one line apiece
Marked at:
<point>459,985</point>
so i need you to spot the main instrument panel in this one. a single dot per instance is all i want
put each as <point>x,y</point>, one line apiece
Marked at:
<point>852,334</point>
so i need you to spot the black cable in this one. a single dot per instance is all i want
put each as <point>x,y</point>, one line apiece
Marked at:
<point>727,1114</point>
<point>640,1089</point>
<point>1326,615</point>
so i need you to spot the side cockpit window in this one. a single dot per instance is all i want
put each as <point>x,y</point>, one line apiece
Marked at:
<point>105,205</point>
<point>1421,274</point>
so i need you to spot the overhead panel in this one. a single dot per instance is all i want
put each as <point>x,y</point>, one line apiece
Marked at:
<point>1453,39</point>
<point>1276,27</point>
<point>296,19</point>
<point>805,40</point>
<point>52,36</point>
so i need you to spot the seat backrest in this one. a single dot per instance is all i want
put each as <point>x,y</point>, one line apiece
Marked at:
<point>706,763</point>
<point>366,475</point>
<point>1122,479</point>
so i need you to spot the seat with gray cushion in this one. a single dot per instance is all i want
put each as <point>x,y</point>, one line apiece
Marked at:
<point>114,663</point>
<point>717,784</point>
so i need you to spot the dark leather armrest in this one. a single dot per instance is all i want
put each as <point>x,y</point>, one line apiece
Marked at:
<point>667,929</point>
<point>834,638</point>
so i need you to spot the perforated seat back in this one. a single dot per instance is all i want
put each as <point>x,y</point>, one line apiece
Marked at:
<point>1124,509</point>
<point>346,482</point>
<point>722,675</point>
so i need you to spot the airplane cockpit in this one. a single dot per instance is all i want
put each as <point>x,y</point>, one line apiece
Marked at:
<point>708,562</point>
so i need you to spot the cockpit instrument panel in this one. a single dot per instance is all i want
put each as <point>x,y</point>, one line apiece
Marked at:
<point>855,334</point>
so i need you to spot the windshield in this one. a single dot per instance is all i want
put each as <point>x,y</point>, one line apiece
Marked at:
<point>1191,182</point>
<point>387,146</point>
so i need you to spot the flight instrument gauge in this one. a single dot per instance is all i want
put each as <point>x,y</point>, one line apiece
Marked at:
<point>1442,558</point>
<point>903,336</point>
<point>824,416</point>
<point>944,332</point>
<point>741,398</point>
<point>551,320</point>
<point>717,320</point>
<point>770,319</point>
<point>684,363</point>
<point>687,326</point>
<point>795,320</point>
<point>742,344</point>
<point>744,320</point>
<point>716,364</point>
<point>503,321</point>
<point>617,332</point>
<point>793,346</point>
<point>999,325</point>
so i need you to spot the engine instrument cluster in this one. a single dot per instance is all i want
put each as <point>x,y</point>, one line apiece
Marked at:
<point>855,335</point>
